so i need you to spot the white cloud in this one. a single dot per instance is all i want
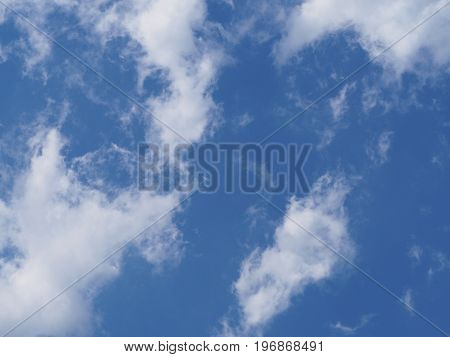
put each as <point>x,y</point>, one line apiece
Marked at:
<point>350,330</point>
<point>372,97</point>
<point>4,53</point>
<point>54,226</point>
<point>439,263</point>
<point>254,214</point>
<point>327,136</point>
<point>53,229</point>
<point>338,104</point>
<point>34,48</point>
<point>407,299</point>
<point>271,277</point>
<point>243,120</point>
<point>378,152</point>
<point>377,24</point>
<point>173,42</point>
<point>415,253</point>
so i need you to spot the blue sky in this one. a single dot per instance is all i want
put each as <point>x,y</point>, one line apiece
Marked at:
<point>224,263</point>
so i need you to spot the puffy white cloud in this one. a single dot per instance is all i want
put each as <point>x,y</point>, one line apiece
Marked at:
<point>53,229</point>
<point>377,24</point>
<point>174,44</point>
<point>269,278</point>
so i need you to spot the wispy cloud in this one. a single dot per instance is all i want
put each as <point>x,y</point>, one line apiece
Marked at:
<point>408,300</point>
<point>439,263</point>
<point>415,253</point>
<point>338,104</point>
<point>243,120</point>
<point>378,150</point>
<point>351,330</point>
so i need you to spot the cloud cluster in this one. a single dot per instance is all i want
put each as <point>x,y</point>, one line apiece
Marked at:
<point>377,24</point>
<point>271,277</point>
<point>174,44</point>
<point>54,229</point>
<point>170,40</point>
<point>56,225</point>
